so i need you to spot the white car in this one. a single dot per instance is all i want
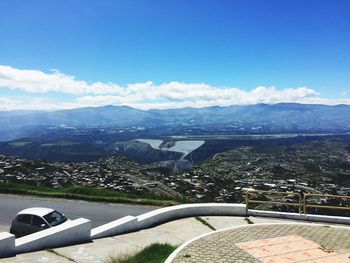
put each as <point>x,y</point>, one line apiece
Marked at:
<point>35,219</point>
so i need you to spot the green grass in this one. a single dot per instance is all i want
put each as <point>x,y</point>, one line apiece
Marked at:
<point>85,193</point>
<point>18,144</point>
<point>154,253</point>
<point>250,222</point>
<point>205,222</point>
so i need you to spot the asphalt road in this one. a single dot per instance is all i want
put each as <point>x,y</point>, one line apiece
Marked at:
<point>98,213</point>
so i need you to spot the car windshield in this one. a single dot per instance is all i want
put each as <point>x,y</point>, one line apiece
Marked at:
<point>55,218</point>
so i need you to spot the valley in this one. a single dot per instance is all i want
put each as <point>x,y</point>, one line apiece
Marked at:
<point>211,154</point>
<point>221,169</point>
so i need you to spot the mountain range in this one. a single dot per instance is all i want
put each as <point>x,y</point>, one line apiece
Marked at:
<point>259,118</point>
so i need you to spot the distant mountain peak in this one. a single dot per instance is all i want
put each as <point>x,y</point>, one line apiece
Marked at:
<point>241,119</point>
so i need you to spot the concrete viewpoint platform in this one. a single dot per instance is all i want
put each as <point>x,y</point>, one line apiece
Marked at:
<point>269,243</point>
<point>175,232</point>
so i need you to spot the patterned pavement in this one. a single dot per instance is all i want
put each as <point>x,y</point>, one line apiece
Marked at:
<point>271,243</point>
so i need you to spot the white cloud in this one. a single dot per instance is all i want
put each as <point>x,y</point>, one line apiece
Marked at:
<point>141,95</point>
<point>178,95</point>
<point>35,81</point>
<point>8,104</point>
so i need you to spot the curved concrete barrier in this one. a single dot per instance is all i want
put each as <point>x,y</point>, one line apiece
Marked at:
<point>296,216</point>
<point>73,232</point>
<point>7,245</point>
<point>329,219</point>
<point>123,225</point>
<point>166,214</point>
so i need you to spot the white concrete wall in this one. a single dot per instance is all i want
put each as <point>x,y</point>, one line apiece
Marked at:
<point>117,227</point>
<point>166,214</point>
<point>296,216</point>
<point>329,219</point>
<point>274,214</point>
<point>72,232</point>
<point>7,245</point>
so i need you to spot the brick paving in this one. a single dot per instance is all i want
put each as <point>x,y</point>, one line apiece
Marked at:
<point>271,244</point>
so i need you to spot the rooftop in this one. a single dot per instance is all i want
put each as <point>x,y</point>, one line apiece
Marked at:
<point>40,211</point>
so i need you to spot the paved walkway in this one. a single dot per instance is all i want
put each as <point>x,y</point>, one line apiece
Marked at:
<point>271,243</point>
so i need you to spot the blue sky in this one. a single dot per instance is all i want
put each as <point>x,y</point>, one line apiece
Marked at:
<point>159,54</point>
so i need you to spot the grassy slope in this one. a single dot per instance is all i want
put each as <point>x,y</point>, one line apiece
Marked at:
<point>84,193</point>
<point>154,253</point>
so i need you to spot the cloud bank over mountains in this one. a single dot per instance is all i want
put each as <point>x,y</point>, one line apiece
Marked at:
<point>42,88</point>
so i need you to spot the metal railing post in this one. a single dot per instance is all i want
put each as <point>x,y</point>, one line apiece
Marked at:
<point>247,199</point>
<point>305,204</point>
<point>300,204</point>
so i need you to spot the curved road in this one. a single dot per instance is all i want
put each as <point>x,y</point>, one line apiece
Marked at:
<point>98,213</point>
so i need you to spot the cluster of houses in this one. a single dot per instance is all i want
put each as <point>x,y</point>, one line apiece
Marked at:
<point>107,173</point>
<point>114,173</point>
<point>37,173</point>
<point>226,177</point>
<point>308,168</point>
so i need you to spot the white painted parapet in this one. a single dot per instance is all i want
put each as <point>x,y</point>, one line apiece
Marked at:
<point>7,245</point>
<point>329,219</point>
<point>273,214</point>
<point>123,225</point>
<point>166,214</point>
<point>130,223</point>
<point>307,217</point>
<point>72,232</point>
